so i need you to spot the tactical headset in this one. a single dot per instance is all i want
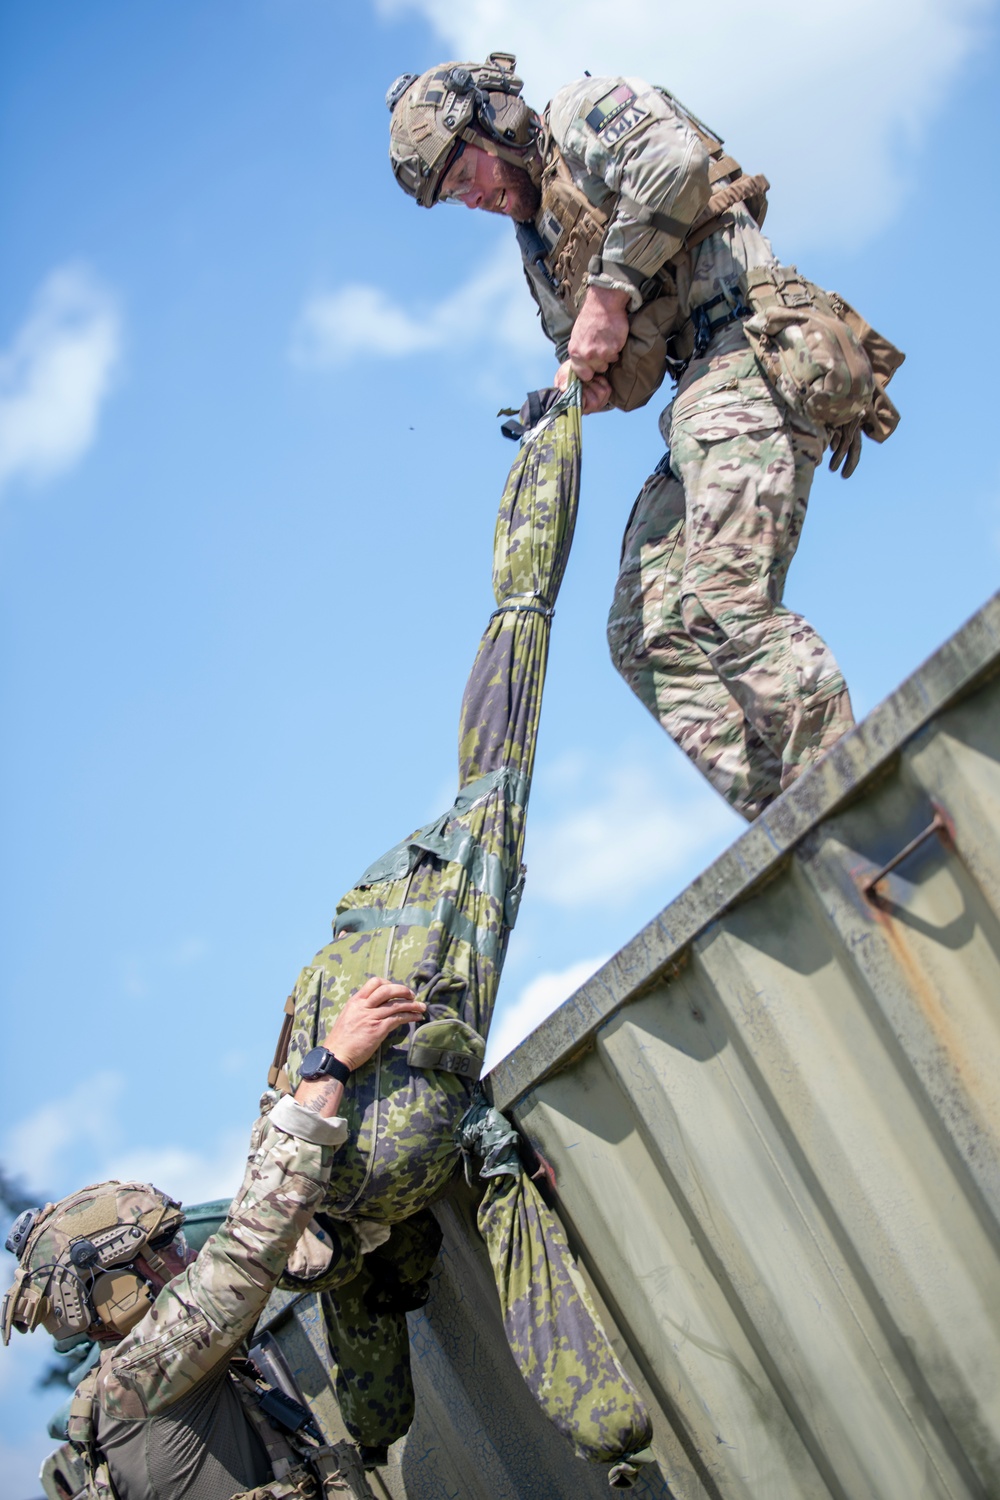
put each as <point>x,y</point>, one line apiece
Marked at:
<point>434,112</point>
<point>77,1270</point>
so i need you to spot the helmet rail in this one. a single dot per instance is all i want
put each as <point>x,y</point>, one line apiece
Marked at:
<point>432,112</point>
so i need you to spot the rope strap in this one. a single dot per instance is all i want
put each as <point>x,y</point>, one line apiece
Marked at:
<point>505,607</point>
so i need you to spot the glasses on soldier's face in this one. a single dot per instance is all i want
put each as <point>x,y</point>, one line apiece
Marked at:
<point>460,176</point>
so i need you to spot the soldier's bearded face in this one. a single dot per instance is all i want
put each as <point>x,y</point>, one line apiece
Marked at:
<point>480,180</point>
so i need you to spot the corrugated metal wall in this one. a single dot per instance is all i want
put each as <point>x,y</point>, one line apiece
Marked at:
<point>773,1120</point>
<point>780,1155</point>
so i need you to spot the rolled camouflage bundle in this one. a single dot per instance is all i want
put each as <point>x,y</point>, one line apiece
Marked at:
<point>551,1325</point>
<point>435,912</point>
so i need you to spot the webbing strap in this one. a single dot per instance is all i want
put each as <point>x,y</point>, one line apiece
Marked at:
<point>723,166</point>
<point>508,607</point>
<point>663,223</point>
<point>749,190</point>
<point>465,1064</point>
<point>454,922</point>
<point>456,844</point>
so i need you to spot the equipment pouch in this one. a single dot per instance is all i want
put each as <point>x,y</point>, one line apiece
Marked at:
<point>449,1045</point>
<point>642,364</point>
<point>809,352</point>
<point>331,1471</point>
<point>881,418</point>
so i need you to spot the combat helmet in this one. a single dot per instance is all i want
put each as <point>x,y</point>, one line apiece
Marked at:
<point>433,113</point>
<point>76,1269</point>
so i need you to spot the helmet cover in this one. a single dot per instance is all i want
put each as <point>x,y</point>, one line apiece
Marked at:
<point>478,103</point>
<point>75,1269</point>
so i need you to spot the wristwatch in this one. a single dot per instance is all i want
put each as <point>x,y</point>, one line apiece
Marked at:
<point>319,1063</point>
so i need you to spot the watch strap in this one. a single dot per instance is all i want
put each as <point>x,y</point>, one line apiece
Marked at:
<point>326,1066</point>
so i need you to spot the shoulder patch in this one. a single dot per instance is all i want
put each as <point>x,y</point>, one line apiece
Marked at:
<point>615,114</point>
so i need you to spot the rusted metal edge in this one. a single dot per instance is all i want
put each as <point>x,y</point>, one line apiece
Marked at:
<point>956,669</point>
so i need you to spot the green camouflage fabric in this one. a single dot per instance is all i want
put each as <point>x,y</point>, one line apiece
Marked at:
<point>551,1326</point>
<point>435,913</point>
<point>366,1320</point>
<point>745,686</point>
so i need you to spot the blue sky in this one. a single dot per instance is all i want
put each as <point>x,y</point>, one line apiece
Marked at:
<point>249,467</point>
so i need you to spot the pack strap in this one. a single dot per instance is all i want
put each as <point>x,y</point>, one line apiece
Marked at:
<point>749,190</point>
<point>81,1430</point>
<point>276,1074</point>
<point>723,165</point>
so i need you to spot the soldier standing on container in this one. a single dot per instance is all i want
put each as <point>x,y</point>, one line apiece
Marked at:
<point>642,247</point>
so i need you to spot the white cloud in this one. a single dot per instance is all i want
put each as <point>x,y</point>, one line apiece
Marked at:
<point>334,328</point>
<point>538,999</point>
<point>82,1136</point>
<point>35,1149</point>
<point>627,827</point>
<point>55,376</point>
<point>191,1176</point>
<point>823,97</point>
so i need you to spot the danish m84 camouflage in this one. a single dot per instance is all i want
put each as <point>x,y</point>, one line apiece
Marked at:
<point>435,913</point>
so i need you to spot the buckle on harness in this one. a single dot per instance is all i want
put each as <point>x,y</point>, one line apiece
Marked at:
<point>706,327</point>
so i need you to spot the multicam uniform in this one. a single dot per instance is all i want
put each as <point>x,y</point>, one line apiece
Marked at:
<point>168,1419</point>
<point>697,628</point>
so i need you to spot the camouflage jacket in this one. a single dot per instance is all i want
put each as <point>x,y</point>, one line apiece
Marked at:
<point>647,155</point>
<point>201,1317</point>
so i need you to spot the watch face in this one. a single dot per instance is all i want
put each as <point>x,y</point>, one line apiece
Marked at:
<point>312,1064</point>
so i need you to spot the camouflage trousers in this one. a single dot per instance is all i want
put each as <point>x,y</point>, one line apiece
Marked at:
<point>745,686</point>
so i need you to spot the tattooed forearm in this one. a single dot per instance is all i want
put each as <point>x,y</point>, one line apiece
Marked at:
<point>324,1098</point>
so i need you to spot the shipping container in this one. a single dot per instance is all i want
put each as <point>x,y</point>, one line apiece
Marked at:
<point>772,1129</point>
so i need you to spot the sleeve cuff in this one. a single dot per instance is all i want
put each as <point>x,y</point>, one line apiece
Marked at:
<point>294,1120</point>
<point>617,284</point>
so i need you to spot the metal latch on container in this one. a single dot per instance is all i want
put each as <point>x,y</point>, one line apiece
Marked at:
<point>940,824</point>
